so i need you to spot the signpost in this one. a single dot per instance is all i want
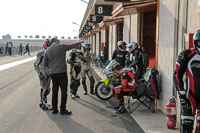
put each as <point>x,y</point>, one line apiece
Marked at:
<point>103,10</point>
<point>96,19</point>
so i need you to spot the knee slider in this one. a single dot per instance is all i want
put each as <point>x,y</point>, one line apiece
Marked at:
<point>45,92</point>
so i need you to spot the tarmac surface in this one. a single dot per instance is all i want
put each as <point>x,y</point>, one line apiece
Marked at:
<point>20,113</point>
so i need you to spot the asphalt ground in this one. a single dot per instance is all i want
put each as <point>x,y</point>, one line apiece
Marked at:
<point>20,112</point>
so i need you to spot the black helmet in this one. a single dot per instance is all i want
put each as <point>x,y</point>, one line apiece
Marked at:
<point>86,46</point>
<point>47,43</point>
<point>196,38</point>
<point>121,45</point>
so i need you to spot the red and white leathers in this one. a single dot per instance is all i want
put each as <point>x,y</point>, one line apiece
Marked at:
<point>127,85</point>
<point>188,61</point>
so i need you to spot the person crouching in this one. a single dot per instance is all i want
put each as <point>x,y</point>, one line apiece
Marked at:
<point>127,85</point>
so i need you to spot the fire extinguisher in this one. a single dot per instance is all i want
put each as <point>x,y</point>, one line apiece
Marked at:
<point>171,112</point>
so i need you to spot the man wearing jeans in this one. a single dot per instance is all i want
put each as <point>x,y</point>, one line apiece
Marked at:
<point>55,63</point>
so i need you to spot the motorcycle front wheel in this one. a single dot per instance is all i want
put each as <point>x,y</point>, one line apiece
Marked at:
<point>103,92</point>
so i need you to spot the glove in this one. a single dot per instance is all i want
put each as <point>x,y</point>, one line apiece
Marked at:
<point>41,76</point>
<point>184,101</point>
<point>77,64</point>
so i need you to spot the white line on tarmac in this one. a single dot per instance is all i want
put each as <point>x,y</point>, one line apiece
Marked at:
<point>12,64</point>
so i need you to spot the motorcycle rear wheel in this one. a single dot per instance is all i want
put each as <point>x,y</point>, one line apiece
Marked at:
<point>102,91</point>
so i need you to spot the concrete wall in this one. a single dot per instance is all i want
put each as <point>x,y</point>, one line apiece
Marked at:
<point>127,28</point>
<point>130,30</point>
<point>182,23</point>
<point>91,42</point>
<point>103,36</point>
<point>166,57</point>
<point>112,39</point>
<point>193,23</point>
<point>97,44</point>
<point>134,28</point>
<point>94,43</point>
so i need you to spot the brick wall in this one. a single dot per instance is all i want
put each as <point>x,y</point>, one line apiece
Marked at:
<point>166,49</point>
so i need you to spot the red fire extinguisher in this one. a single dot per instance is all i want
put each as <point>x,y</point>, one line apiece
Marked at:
<point>171,113</point>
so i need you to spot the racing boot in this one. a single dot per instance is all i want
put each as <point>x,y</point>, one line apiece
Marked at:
<point>44,105</point>
<point>117,106</point>
<point>121,109</point>
<point>92,90</point>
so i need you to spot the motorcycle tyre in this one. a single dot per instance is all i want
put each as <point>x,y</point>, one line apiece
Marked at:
<point>96,92</point>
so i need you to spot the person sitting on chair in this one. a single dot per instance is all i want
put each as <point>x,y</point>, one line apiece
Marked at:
<point>127,85</point>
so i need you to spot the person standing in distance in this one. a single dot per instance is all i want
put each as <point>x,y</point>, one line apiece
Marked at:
<point>55,63</point>
<point>27,49</point>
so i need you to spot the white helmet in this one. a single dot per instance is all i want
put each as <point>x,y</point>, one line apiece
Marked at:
<point>132,46</point>
<point>121,45</point>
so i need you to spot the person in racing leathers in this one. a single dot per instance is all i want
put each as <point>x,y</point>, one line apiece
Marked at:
<point>127,85</point>
<point>86,69</point>
<point>120,54</point>
<point>188,62</point>
<point>136,61</point>
<point>75,71</point>
<point>44,77</point>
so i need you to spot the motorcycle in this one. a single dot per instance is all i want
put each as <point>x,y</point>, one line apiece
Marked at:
<point>146,89</point>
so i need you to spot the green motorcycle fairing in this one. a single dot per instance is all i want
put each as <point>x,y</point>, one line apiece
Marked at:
<point>106,81</point>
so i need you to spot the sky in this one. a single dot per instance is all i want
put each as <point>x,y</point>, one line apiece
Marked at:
<point>41,17</point>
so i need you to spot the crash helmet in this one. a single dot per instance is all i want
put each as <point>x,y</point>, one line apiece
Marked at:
<point>196,38</point>
<point>132,46</point>
<point>86,47</point>
<point>47,43</point>
<point>121,45</point>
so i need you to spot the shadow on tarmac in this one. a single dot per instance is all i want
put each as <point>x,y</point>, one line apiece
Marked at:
<point>114,118</point>
<point>66,124</point>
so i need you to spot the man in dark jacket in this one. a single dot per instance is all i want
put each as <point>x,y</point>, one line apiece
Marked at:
<point>55,63</point>
<point>120,54</point>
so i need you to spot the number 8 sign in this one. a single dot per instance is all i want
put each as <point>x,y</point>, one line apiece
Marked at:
<point>103,10</point>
